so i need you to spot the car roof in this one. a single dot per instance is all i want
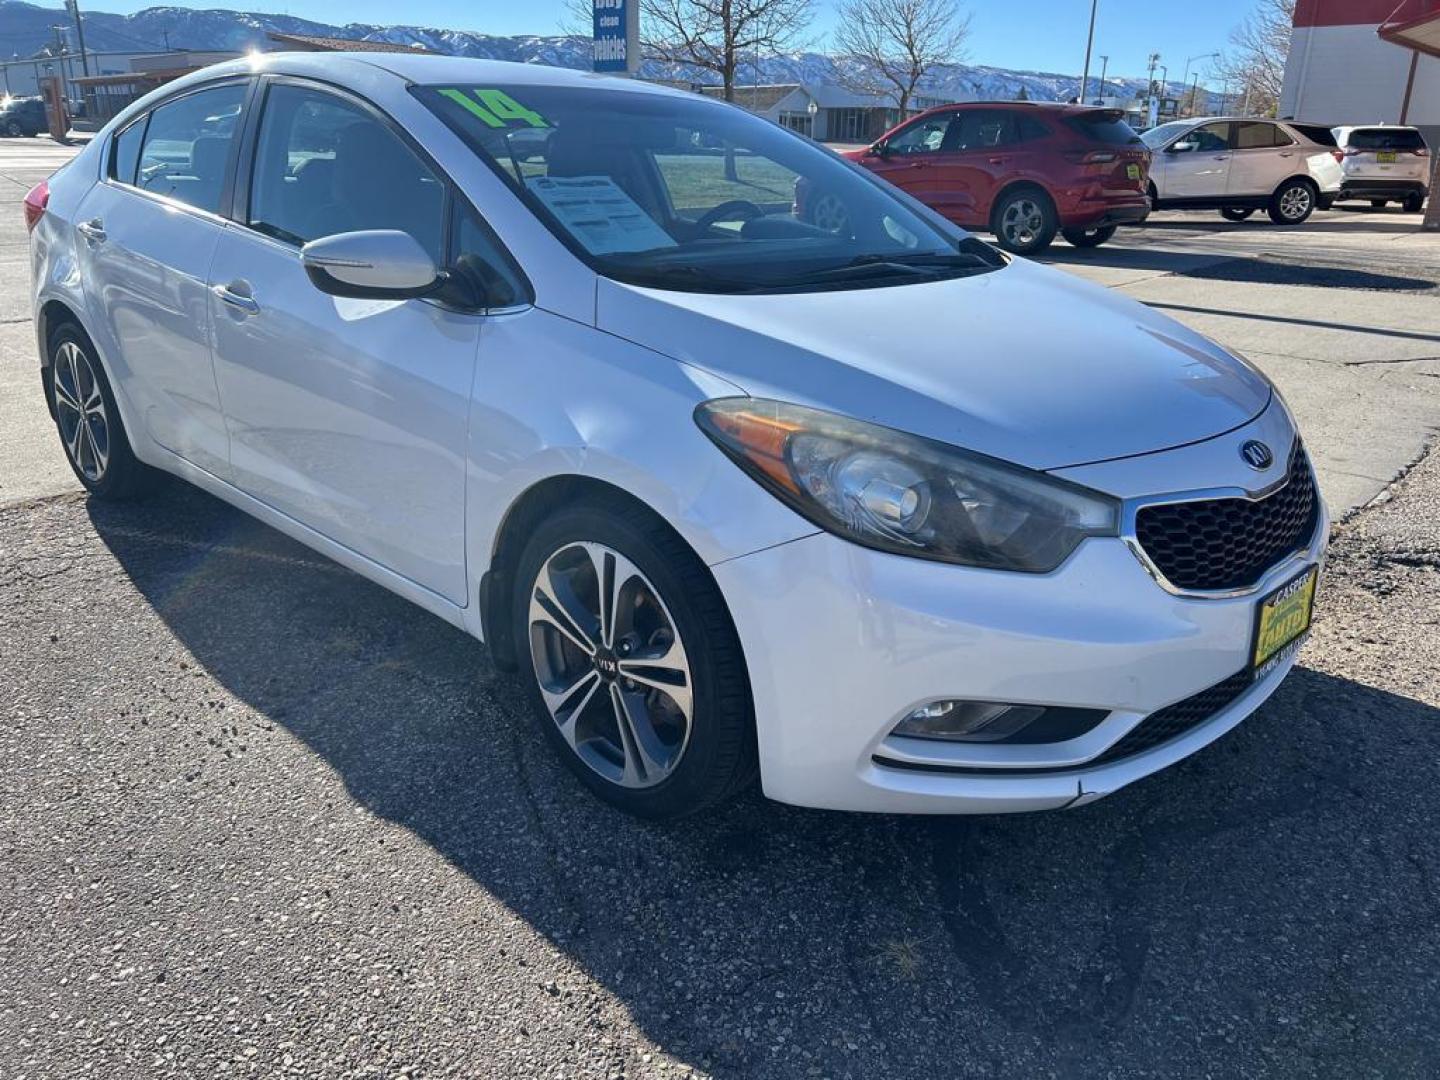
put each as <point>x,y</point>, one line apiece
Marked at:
<point>422,68</point>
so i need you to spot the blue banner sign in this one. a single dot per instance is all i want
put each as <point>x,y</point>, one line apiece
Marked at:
<point>616,35</point>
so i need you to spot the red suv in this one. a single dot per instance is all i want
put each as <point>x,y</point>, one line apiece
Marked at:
<point>1021,170</point>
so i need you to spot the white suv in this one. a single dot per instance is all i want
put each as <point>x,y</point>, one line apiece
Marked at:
<point>1239,166</point>
<point>1384,163</point>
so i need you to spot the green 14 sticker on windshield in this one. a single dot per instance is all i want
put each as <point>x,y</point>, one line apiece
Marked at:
<point>494,108</point>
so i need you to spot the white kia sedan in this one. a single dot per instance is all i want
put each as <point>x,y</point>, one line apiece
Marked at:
<point>886,517</point>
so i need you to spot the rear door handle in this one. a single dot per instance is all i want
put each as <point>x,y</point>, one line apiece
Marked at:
<point>93,230</point>
<point>230,295</point>
<point>998,160</point>
<point>919,164</point>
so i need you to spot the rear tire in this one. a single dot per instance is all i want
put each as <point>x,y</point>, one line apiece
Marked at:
<point>1293,202</point>
<point>1379,204</point>
<point>1024,221</point>
<point>1236,213</point>
<point>88,420</point>
<point>1088,238</point>
<point>656,762</point>
<point>1414,203</point>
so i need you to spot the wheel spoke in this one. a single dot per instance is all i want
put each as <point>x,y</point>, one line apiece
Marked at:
<point>668,673</point>
<point>644,753</point>
<point>63,395</point>
<point>567,705</point>
<point>554,602</point>
<point>75,440</point>
<point>102,457</point>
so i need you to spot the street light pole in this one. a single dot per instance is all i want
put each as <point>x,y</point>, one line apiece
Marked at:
<point>1104,67</point>
<point>1089,44</point>
<point>74,8</point>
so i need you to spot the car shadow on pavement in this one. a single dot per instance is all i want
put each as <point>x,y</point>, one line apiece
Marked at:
<point>1268,905</point>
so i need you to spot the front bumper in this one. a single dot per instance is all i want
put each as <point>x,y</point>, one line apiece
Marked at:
<point>842,642</point>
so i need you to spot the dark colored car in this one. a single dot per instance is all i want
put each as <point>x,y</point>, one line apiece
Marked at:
<point>1021,170</point>
<point>21,116</point>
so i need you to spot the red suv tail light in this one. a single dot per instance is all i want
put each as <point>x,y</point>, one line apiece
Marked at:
<point>36,200</point>
<point>1338,155</point>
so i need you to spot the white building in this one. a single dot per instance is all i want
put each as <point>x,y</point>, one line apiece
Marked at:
<point>1365,62</point>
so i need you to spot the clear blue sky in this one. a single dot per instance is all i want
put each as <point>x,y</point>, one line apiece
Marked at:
<point>1046,35</point>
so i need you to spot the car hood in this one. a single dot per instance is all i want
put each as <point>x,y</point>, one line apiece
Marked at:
<point>1024,363</point>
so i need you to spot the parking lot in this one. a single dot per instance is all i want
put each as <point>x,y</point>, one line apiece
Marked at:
<point>262,818</point>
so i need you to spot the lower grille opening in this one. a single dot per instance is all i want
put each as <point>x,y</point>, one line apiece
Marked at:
<point>1160,727</point>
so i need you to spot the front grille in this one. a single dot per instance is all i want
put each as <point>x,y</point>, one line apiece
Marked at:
<point>1229,543</point>
<point>1175,720</point>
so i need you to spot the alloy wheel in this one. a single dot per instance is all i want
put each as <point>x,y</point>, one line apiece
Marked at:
<point>80,411</point>
<point>1295,202</point>
<point>1022,222</point>
<point>611,667</point>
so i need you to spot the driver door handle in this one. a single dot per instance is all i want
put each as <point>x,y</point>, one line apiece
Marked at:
<point>232,295</point>
<point>919,164</point>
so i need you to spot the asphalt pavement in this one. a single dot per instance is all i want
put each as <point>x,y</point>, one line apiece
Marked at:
<point>261,818</point>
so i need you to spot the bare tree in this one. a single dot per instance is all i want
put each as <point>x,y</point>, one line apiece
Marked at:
<point>897,42</point>
<point>1255,61</point>
<point>717,35</point>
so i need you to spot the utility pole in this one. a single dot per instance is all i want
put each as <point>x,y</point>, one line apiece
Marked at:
<point>1184,78</point>
<point>1194,91</point>
<point>1104,67</point>
<point>73,6</point>
<point>1089,43</point>
<point>1151,112</point>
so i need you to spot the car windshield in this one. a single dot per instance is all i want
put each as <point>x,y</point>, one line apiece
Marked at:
<point>681,192</point>
<point>1157,137</point>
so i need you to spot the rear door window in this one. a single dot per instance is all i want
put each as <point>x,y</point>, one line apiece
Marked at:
<point>1385,139</point>
<point>1254,135</point>
<point>981,129</point>
<point>185,151</point>
<point>125,157</point>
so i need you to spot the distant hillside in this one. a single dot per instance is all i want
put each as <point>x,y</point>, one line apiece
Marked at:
<point>26,29</point>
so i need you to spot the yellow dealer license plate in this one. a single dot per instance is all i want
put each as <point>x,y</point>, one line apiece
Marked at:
<point>1282,619</point>
<point>1132,171</point>
<point>1386,157</point>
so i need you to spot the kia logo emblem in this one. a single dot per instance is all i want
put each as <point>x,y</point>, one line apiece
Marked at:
<point>1257,455</point>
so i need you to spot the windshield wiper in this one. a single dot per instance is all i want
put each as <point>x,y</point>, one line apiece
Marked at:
<point>930,265</point>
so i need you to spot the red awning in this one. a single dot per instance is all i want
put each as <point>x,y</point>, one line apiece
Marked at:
<point>1415,24</point>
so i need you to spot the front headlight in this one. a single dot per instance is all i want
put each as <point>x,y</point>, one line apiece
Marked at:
<point>901,493</point>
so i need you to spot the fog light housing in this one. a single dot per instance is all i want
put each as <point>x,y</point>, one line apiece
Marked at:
<point>953,720</point>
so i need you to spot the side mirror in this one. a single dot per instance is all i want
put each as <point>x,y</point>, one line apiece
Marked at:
<point>880,150</point>
<point>1183,146</point>
<point>376,264</point>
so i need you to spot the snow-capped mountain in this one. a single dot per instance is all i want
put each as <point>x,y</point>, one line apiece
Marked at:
<point>28,28</point>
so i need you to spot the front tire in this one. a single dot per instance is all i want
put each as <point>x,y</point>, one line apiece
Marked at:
<point>88,420</point>
<point>1025,222</point>
<point>1088,238</point>
<point>1236,213</point>
<point>1414,203</point>
<point>1293,202</point>
<point>631,661</point>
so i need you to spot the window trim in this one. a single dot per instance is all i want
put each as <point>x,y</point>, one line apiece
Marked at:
<point>453,197</point>
<point>227,189</point>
